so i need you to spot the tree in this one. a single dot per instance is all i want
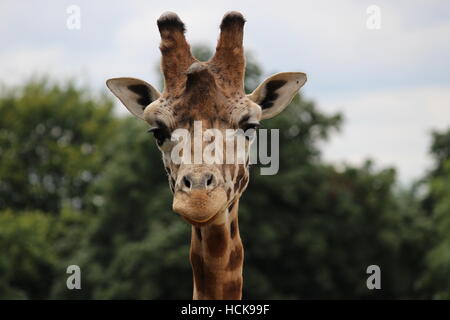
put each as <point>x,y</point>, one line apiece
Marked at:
<point>319,225</point>
<point>27,254</point>
<point>436,279</point>
<point>52,140</point>
<point>53,144</point>
<point>81,186</point>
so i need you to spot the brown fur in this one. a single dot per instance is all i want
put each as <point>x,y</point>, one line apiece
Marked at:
<point>216,241</point>
<point>229,62</point>
<point>205,279</point>
<point>235,258</point>
<point>232,289</point>
<point>240,176</point>
<point>216,276</point>
<point>198,233</point>
<point>176,52</point>
<point>233,228</point>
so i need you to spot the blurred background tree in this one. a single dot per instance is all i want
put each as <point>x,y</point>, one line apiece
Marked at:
<point>79,185</point>
<point>436,204</point>
<point>52,144</point>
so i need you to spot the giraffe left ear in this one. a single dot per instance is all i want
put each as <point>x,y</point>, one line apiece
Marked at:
<point>135,94</point>
<point>276,92</point>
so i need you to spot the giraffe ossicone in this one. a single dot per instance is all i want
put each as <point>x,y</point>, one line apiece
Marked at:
<point>206,193</point>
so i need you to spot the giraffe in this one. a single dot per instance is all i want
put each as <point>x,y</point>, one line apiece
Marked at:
<point>210,93</point>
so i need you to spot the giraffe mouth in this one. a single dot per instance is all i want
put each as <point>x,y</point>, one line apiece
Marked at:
<point>199,207</point>
<point>201,223</point>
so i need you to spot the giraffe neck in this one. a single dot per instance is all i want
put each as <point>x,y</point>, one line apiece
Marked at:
<point>217,257</point>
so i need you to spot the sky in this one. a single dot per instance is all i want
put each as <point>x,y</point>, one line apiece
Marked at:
<point>391,83</point>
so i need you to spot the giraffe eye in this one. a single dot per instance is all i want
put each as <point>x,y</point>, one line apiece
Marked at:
<point>250,125</point>
<point>161,133</point>
<point>247,123</point>
<point>249,129</point>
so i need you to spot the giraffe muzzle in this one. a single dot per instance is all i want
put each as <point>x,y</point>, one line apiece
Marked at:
<point>199,197</point>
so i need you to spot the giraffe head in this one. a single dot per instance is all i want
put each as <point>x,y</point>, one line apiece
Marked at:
<point>207,98</point>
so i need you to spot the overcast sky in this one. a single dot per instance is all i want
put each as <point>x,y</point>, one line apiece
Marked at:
<point>392,83</point>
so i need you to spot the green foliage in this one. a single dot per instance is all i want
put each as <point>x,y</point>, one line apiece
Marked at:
<point>33,248</point>
<point>27,258</point>
<point>326,225</point>
<point>51,145</point>
<point>437,204</point>
<point>136,236</point>
<point>81,186</point>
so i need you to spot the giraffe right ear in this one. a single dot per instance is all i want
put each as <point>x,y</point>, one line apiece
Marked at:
<point>135,94</point>
<point>276,92</point>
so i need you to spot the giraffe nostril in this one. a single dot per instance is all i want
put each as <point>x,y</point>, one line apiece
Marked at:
<point>195,181</point>
<point>187,182</point>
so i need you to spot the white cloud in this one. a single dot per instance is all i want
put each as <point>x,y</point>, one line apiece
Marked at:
<point>22,63</point>
<point>392,126</point>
